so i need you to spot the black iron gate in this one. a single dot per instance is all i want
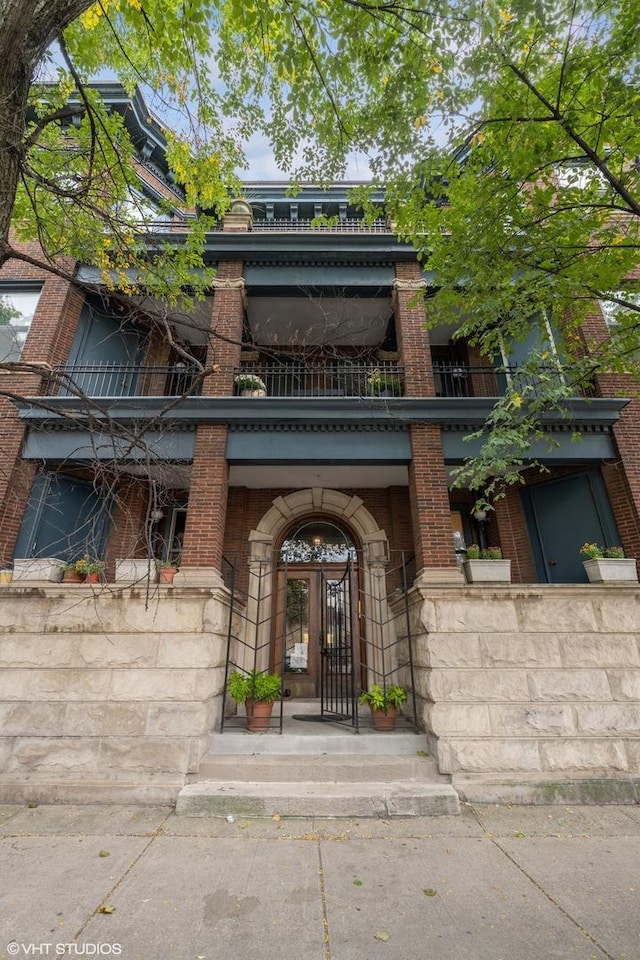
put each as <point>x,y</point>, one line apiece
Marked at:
<point>339,644</point>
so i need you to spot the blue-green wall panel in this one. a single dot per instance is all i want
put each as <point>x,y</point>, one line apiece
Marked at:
<point>318,446</point>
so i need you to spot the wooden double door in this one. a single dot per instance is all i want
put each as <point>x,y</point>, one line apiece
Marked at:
<point>316,637</point>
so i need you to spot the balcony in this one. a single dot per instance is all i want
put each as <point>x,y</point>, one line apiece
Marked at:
<point>347,225</point>
<point>124,380</point>
<point>457,380</point>
<point>332,379</point>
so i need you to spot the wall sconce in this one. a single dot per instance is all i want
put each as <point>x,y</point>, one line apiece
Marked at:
<point>156,515</point>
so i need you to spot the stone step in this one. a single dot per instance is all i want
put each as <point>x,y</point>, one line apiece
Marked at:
<point>405,798</point>
<point>318,739</point>
<point>326,768</point>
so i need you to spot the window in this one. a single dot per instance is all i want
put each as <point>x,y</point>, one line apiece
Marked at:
<point>17,307</point>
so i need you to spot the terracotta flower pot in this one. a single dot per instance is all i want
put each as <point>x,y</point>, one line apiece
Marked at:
<point>258,716</point>
<point>93,577</point>
<point>72,576</point>
<point>384,720</point>
<point>167,574</point>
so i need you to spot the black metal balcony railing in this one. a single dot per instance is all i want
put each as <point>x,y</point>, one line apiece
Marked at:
<point>337,379</point>
<point>124,380</point>
<point>348,225</point>
<point>456,380</point>
<point>332,379</point>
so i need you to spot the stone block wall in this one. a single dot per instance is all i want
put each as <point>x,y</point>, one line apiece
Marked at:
<point>542,683</point>
<point>104,697</point>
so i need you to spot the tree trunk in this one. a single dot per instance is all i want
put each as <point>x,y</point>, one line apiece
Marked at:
<point>27,28</point>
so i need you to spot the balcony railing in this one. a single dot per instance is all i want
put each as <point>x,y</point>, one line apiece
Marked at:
<point>124,380</point>
<point>336,379</point>
<point>348,225</point>
<point>457,380</point>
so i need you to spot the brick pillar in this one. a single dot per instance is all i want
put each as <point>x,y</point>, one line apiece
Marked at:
<point>207,508</point>
<point>128,537</point>
<point>428,491</point>
<point>508,530</point>
<point>50,337</point>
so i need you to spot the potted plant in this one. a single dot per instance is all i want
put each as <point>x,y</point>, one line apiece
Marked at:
<point>167,570</point>
<point>486,565</point>
<point>71,574</point>
<point>92,569</point>
<point>258,691</point>
<point>607,564</point>
<point>383,384</point>
<point>383,702</point>
<point>250,385</point>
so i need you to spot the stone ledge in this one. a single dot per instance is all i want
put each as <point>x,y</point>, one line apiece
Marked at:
<point>547,790</point>
<point>151,791</point>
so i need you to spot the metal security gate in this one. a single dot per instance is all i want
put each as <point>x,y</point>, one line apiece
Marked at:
<point>339,644</point>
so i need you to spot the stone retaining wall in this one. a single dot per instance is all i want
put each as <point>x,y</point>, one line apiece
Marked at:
<point>103,699</point>
<point>533,683</point>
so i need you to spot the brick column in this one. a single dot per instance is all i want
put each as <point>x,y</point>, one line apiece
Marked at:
<point>207,509</point>
<point>428,492</point>
<point>50,337</point>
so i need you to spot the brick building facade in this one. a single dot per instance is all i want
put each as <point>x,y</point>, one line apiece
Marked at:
<point>114,447</point>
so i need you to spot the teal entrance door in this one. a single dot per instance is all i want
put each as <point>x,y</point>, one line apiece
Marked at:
<point>561,516</point>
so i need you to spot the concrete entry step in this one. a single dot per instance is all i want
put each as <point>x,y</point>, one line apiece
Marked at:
<point>317,739</point>
<point>304,799</point>
<point>327,768</point>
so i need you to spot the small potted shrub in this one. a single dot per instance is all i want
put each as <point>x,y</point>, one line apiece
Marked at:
<point>167,570</point>
<point>607,564</point>
<point>383,384</point>
<point>250,385</point>
<point>258,691</point>
<point>92,569</point>
<point>486,565</point>
<point>383,702</point>
<point>71,574</point>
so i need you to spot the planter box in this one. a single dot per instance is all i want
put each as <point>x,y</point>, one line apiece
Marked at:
<point>487,571</point>
<point>135,571</point>
<point>603,570</point>
<point>44,568</point>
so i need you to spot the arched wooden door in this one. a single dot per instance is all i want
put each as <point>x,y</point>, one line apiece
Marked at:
<point>316,639</point>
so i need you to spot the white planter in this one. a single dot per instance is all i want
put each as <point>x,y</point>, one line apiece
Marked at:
<point>43,568</point>
<point>487,571</point>
<point>136,571</point>
<point>248,392</point>
<point>604,570</point>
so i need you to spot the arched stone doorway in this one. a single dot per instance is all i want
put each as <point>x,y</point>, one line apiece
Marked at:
<point>316,635</point>
<point>355,527</point>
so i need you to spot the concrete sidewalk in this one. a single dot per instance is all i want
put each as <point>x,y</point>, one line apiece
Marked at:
<point>495,883</point>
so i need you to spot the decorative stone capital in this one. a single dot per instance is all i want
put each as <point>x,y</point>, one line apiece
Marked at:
<point>413,283</point>
<point>260,547</point>
<point>376,548</point>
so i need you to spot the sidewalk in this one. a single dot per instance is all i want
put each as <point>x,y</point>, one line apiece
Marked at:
<point>495,883</point>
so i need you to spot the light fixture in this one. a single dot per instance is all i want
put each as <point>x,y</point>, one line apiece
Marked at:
<point>479,515</point>
<point>156,514</point>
